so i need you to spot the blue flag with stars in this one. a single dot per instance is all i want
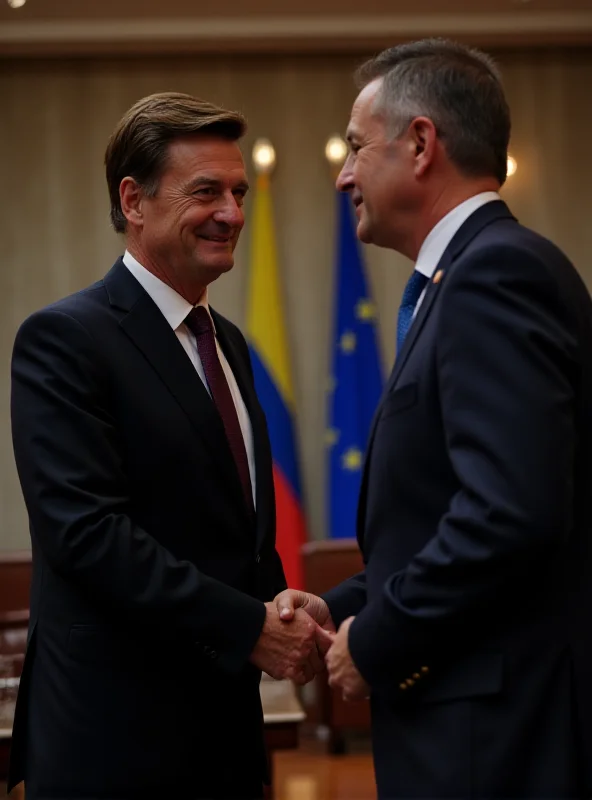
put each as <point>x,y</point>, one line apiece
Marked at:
<point>356,379</point>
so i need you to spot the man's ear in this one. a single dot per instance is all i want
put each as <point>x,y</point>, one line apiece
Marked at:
<point>130,197</point>
<point>424,137</point>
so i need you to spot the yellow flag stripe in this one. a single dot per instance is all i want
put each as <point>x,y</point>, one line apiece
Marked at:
<point>265,318</point>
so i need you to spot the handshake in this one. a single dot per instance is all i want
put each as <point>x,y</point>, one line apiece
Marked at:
<point>299,640</point>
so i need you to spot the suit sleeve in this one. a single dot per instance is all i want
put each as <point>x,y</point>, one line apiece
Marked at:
<point>347,599</point>
<point>507,363</point>
<point>279,579</point>
<point>72,473</point>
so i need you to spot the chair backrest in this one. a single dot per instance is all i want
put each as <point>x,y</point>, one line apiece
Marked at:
<point>15,582</point>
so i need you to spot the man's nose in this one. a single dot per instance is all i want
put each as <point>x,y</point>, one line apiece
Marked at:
<point>229,212</point>
<point>345,182</point>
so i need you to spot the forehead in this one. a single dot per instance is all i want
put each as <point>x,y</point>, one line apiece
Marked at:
<point>362,116</point>
<point>191,155</point>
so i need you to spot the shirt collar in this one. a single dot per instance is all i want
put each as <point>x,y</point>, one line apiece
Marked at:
<point>173,307</point>
<point>440,236</point>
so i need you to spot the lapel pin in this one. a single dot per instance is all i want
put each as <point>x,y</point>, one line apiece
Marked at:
<point>438,276</point>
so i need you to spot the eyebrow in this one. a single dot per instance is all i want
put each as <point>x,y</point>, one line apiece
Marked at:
<point>215,183</point>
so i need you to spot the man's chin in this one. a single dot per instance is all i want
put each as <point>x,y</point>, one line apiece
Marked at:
<point>218,266</point>
<point>363,232</point>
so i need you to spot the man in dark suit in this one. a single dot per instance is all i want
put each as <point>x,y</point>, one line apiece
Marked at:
<point>471,626</point>
<point>145,465</point>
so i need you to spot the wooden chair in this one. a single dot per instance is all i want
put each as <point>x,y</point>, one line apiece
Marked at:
<point>15,581</point>
<point>327,563</point>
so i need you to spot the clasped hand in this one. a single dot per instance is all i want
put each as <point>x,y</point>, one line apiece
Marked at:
<point>333,645</point>
<point>293,650</point>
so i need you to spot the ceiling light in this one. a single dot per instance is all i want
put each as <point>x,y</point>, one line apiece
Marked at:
<point>16,3</point>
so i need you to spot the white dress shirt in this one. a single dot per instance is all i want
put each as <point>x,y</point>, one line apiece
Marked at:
<point>440,236</point>
<point>174,309</point>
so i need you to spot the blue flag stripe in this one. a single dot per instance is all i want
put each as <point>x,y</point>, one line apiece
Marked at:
<point>356,376</point>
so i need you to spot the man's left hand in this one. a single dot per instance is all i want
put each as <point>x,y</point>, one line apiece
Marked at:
<point>342,670</point>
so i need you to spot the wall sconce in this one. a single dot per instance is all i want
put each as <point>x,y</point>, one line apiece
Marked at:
<point>336,151</point>
<point>263,156</point>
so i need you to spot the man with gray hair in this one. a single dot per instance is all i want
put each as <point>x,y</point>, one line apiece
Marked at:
<point>471,625</point>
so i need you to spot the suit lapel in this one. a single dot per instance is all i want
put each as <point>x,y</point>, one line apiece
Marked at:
<point>153,336</point>
<point>410,340</point>
<point>263,477</point>
<point>402,357</point>
<point>472,226</point>
<point>418,323</point>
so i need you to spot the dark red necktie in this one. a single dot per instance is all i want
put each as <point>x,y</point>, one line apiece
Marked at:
<point>199,321</point>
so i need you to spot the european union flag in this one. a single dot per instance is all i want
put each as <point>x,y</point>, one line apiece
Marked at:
<point>356,381</point>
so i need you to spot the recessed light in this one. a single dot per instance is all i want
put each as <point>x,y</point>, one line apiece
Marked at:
<point>16,3</point>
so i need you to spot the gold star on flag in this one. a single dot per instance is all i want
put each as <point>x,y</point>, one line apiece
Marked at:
<point>365,310</point>
<point>348,342</point>
<point>352,459</point>
<point>331,437</point>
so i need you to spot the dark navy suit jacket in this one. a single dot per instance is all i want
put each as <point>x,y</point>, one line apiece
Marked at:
<point>474,613</point>
<point>148,570</point>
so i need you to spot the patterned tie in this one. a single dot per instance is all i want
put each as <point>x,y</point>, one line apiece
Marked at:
<point>415,286</point>
<point>199,321</point>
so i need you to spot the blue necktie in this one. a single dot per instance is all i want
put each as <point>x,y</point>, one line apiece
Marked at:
<point>415,286</point>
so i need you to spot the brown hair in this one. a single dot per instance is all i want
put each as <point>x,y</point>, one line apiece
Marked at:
<point>459,88</point>
<point>139,144</point>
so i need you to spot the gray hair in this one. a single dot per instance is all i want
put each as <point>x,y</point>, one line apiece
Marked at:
<point>459,88</point>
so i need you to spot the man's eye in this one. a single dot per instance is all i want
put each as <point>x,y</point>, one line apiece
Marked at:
<point>239,197</point>
<point>205,191</point>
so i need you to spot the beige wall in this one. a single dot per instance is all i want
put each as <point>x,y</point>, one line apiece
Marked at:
<point>55,118</point>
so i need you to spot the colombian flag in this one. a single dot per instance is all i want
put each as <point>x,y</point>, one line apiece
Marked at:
<point>268,346</point>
